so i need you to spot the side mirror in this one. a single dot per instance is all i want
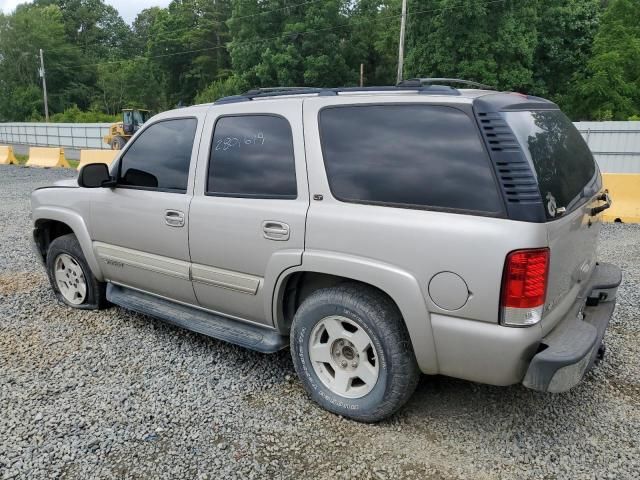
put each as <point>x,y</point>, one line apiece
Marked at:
<point>95,175</point>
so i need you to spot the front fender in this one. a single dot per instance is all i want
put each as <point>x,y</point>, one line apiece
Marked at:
<point>401,286</point>
<point>79,227</point>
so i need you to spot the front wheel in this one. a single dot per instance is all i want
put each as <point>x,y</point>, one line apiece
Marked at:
<point>352,352</point>
<point>118,143</point>
<point>70,276</point>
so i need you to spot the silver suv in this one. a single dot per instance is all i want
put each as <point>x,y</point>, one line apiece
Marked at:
<point>378,232</point>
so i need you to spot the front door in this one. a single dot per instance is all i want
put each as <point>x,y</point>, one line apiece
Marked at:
<point>247,217</point>
<point>140,227</point>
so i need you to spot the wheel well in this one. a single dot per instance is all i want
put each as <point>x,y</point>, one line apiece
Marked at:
<point>46,231</point>
<point>301,285</point>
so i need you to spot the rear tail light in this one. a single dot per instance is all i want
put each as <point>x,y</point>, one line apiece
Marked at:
<point>524,287</point>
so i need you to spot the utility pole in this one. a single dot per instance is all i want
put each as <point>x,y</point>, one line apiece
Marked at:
<point>44,87</point>
<point>403,24</point>
<point>362,74</point>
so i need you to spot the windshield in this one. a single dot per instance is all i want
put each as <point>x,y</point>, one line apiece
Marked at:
<point>562,160</point>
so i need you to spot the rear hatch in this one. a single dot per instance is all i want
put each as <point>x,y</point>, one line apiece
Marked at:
<point>570,183</point>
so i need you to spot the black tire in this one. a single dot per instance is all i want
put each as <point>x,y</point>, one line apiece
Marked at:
<point>380,319</point>
<point>118,143</point>
<point>96,290</point>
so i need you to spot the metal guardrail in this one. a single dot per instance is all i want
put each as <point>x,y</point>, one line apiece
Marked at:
<point>67,135</point>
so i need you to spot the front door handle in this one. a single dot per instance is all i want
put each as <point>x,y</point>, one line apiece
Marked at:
<point>274,230</point>
<point>174,218</point>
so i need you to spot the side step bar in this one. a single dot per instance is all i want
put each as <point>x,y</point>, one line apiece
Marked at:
<point>246,335</point>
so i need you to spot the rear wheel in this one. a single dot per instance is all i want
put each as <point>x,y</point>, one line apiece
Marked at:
<point>70,276</point>
<point>352,352</point>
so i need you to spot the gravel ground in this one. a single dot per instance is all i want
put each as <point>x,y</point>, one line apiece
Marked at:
<point>113,394</point>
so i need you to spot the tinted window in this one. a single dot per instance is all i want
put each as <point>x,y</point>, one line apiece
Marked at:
<point>417,155</point>
<point>160,156</point>
<point>562,160</point>
<point>252,156</point>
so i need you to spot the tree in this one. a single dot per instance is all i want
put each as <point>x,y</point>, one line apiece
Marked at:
<point>489,42</point>
<point>374,39</point>
<point>610,87</point>
<point>233,85</point>
<point>21,36</point>
<point>275,45</point>
<point>566,30</point>
<point>188,40</point>
<point>130,84</point>
<point>94,26</point>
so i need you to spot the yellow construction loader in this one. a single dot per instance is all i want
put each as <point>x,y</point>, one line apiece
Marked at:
<point>120,132</point>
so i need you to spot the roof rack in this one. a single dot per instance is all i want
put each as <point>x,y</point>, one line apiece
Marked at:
<point>249,95</point>
<point>415,82</point>
<point>259,91</point>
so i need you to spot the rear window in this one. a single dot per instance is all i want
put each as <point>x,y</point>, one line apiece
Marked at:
<point>421,156</point>
<point>562,160</point>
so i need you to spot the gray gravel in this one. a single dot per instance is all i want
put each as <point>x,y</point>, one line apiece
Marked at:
<point>116,395</point>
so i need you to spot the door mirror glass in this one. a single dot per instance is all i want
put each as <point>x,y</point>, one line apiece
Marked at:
<point>95,175</point>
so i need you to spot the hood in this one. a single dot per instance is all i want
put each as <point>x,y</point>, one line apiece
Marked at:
<point>68,183</point>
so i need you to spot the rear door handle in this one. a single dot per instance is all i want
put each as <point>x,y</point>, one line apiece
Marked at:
<point>274,230</point>
<point>174,218</point>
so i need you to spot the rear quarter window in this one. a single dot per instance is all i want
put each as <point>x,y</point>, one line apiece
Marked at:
<point>562,161</point>
<point>420,156</point>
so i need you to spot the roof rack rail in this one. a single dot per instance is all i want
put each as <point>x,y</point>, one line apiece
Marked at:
<point>249,95</point>
<point>415,82</point>
<point>260,91</point>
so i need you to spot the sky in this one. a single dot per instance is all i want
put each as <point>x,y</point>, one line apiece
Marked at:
<point>128,8</point>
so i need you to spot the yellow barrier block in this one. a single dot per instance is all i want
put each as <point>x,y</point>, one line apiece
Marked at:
<point>6,155</point>
<point>624,189</point>
<point>97,156</point>
<point>47,157</point>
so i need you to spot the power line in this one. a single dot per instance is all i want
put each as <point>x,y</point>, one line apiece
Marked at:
<point>306,32</point>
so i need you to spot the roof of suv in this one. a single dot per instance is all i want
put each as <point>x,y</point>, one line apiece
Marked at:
<point>484,97</point>
<point>432,87</point>
<point>297,92</point>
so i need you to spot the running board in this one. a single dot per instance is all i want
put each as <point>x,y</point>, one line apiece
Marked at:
<point>246,335</point>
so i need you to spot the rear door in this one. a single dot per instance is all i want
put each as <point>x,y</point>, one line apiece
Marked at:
<point>247,218</point>
<point>569,182</point>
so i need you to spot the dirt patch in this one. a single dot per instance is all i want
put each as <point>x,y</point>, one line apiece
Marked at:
<point>20,282</point>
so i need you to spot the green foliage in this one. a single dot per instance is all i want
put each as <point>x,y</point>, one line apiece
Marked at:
<point>374,40</point>
<point>189,38</point>
<point>222,88</point>
<point>489,42</point>
<point>576,52</point>
<point>276,46</point>
<point>565,36</point>
<point>21,36</point>
<point>609,89</point>
<point>129,84</point>
<point>75,115</point>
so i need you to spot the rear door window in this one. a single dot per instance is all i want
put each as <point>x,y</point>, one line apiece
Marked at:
<point>252,156</point>
<point>561,158</point>
<point>419,156</point>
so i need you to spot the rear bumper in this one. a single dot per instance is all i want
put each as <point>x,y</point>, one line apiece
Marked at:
<point>570,349</point>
